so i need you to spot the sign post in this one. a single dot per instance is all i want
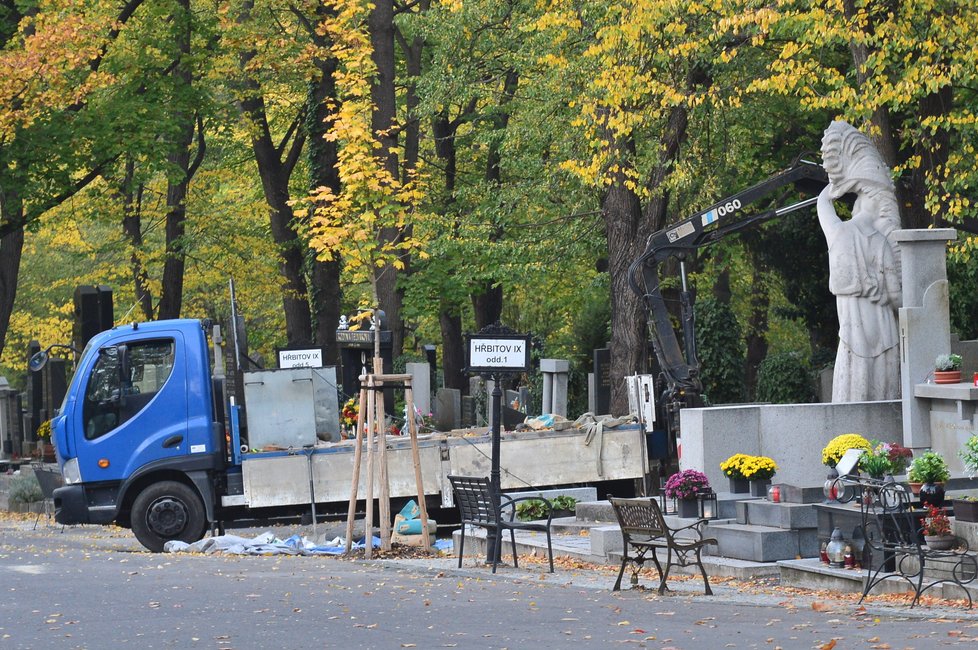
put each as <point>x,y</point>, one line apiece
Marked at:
<point>496,351</point>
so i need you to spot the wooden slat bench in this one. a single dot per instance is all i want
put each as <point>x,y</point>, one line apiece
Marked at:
<point>644,530</point>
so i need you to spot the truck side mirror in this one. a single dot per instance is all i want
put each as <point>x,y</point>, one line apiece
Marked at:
<point>38,361</point>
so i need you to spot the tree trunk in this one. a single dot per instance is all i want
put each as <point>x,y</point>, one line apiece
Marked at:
<point>132,197</point>
<point>383,123</point>
<point>757,324</point>
<point>487,300</point>
<point>453,350</point>
<point>627,230</point>
<point>622,214</point>
<point>275,172</point>
<point>11,249</point>
<point>326,293</point>
<point>449,314</point>
<point>171,292</point>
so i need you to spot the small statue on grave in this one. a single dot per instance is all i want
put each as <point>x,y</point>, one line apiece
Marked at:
<point>344,324</point>
<point>864,266</point>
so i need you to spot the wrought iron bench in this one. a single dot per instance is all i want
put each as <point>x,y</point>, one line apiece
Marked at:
<point>894,544</point>
<point>644,530</point>
<point>479,506</point>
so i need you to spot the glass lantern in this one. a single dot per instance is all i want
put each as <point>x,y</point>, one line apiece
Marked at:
<point>836,550</point>
<point>708,505</point>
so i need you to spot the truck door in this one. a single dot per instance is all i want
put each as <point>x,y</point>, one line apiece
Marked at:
<point>134,409</point>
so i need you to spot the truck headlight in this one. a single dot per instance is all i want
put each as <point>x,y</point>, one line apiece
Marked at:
<point>70,471</point>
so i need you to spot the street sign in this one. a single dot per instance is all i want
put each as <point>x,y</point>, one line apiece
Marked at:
<point>489,354</point>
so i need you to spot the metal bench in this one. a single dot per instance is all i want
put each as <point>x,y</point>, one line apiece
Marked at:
<point>894,544</point>
<point>479,506</point>
<point>644,530</point>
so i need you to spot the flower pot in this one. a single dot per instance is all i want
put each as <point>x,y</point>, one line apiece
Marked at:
<point>758,488</point>
<point>932,494</point>
<point>915,487</point>
<point>687,508</point>
<point>965,510</point>
<point>941,542</point>
<point>947,376</point>
<point>739,485</point>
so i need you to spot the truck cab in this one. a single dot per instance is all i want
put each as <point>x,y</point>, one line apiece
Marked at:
<point>136,437</point>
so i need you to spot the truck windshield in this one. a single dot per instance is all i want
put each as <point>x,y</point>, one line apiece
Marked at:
<point>76,378</point>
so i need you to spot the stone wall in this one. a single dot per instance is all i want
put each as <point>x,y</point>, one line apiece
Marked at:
<point>792,434</point>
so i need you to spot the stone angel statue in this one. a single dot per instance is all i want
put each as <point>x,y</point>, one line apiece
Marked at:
<point>864,266</point>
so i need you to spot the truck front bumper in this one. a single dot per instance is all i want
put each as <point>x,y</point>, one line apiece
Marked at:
<point>71,506</point>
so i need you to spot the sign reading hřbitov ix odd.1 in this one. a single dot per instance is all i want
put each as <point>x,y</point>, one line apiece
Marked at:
<point>498,353</point>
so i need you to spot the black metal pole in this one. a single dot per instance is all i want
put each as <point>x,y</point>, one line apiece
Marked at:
<point>492,552</point>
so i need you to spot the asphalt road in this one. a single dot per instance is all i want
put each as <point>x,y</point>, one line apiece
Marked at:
<point>93,587</point>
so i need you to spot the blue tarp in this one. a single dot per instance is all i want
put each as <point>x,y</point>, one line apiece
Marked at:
<point>264,544</point>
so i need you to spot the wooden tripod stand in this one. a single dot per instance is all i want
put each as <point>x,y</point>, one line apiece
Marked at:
<point>372,434</point>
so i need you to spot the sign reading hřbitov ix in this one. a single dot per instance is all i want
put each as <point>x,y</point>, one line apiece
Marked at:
<point>498,353</point>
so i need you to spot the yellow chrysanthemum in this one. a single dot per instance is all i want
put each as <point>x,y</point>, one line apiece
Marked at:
<point>839,445</point>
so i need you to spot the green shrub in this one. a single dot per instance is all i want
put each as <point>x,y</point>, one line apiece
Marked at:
<point>25,489</point>
<point>720,349</point>
<point>785,378</point>
<point>534,509</point>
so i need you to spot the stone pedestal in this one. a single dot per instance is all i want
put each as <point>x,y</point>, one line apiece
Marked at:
<point>555,375</point>
<point>924,321</point>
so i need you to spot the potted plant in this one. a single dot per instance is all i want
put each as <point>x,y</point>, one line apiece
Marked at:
<point>930,470</point>
<point>965,508</point>
<point>732,469</point>
<point>832,453</point>
<point>947,369</point>
<point>564,506</point>
<point>759,470</point>
<point>683,486</point>
<point>969,455</point>
<point>937,530</point>
<point>898,455</point>
<point>44,437</point>
<point>876,462</point>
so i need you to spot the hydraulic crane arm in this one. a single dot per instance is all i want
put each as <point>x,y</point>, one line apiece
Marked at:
<point>728,216</point>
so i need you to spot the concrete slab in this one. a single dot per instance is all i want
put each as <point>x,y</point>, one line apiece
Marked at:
<point>763,543</point>
<point>779,515</point>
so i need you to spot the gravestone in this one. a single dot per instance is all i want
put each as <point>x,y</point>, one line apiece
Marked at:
<point>602,381</point>
<point>511,398</point>
<point>356,356</point>
<point>448,409</point>
<point>9,420</point>
<point>421,385</point>
<point>468,405</point>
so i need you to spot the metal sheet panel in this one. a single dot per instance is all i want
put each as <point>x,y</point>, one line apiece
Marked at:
<point>554,458</point>
<point>280,408</point>
<point>283,479</point>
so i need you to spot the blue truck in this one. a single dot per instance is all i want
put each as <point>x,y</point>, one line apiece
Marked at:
<point>146,439</point>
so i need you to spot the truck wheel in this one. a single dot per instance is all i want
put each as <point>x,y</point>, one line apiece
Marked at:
<point>167,510</point>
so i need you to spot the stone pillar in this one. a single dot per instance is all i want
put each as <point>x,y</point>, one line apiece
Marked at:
<point>555,374</point>
<point>925,327</point>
